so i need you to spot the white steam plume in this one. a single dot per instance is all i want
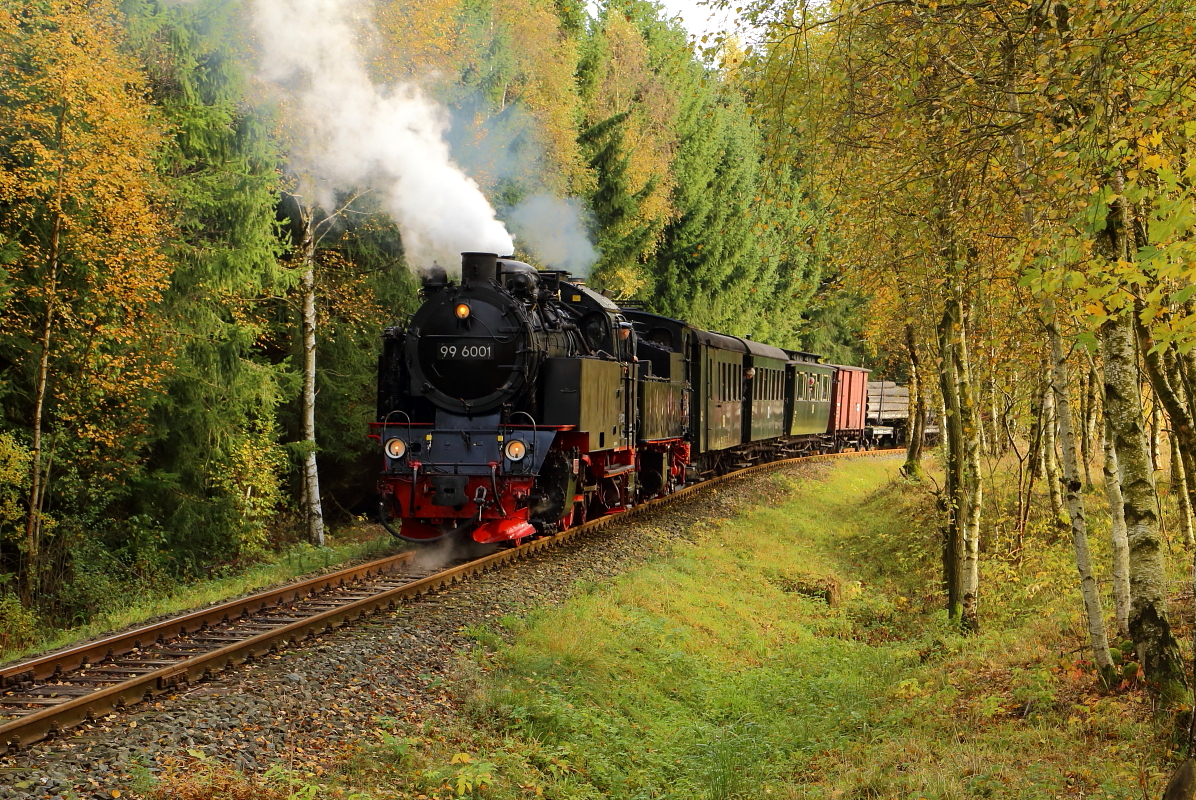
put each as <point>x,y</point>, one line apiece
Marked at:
<point>552,228</point>
<point>357,134</point>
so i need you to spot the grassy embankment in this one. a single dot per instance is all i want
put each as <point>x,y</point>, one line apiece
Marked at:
<point>138,603</point>
<point>717,672</point>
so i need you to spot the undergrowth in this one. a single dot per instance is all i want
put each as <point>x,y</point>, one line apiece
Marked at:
<point>118,601</point>
<point>796,650</point>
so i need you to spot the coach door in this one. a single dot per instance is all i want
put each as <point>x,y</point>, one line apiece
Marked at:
<point>724,399</point>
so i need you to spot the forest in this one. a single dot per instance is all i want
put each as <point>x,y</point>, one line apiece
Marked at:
<point>989,201</point>
<point>161,269</point>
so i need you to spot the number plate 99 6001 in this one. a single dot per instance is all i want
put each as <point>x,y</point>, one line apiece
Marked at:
<point>464,351</point>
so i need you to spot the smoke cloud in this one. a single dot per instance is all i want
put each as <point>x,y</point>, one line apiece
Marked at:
<point>552,229</point>
<point>357,134</point>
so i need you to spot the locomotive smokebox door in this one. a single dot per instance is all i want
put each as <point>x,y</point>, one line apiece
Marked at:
<point>449,490</point>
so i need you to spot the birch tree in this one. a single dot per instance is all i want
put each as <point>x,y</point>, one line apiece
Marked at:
<point>1089,590</point>
<point>1149,626</point>
<point>1118,535</point>
<point>312,226</point>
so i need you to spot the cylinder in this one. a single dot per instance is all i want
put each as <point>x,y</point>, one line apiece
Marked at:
<point>479,267</point>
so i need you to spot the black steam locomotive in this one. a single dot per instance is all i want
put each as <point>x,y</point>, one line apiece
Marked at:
<point>520,402</point>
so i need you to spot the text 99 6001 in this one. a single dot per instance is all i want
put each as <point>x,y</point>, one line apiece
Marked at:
<point>464,351</point>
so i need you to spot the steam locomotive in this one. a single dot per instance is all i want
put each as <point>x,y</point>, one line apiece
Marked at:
<point>519,402</point>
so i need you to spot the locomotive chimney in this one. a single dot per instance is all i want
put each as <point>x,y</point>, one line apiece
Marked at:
<point>478,267</point>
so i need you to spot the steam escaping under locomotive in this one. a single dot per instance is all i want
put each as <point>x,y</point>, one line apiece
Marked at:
<point>519,402</point>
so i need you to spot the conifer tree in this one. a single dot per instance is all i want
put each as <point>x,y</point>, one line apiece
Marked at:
<point>215,467</point>
<point>622,235</point>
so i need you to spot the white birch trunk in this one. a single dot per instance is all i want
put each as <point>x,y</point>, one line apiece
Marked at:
<point>1089,425</point>
<point>314,510</point>
<point>1050,462</point>
<point>1179,488</point>
<point>953,547</point>
<point>1120,541</point>
<point>973,487</point>
<point>1089,591</point>
<point>1148,623</point>
<point>1156,426</point>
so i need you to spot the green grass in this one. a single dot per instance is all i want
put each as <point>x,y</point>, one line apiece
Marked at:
<point>714,672</point>
<point>280,567</point>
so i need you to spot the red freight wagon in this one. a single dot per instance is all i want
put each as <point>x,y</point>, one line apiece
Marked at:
<point>849,400</point>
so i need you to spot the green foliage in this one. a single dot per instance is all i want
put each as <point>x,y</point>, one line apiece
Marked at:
<point>19,627</point>
<point>14,483</point>
<point>213,472</point>
<point>835,326</point>
<point>464,775</point>
<point>623,236</point>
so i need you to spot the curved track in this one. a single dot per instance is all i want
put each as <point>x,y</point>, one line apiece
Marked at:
<point>52,693</point>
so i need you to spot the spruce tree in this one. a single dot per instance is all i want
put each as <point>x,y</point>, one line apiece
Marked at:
<point>621,237</point>
<point>214,470</point>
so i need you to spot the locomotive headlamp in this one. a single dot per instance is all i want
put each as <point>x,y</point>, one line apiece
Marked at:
<point>395,448</point>
<point>462,310</point>
<point>516,450</point>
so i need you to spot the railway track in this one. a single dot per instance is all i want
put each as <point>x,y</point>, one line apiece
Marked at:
<point>53,693</point>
